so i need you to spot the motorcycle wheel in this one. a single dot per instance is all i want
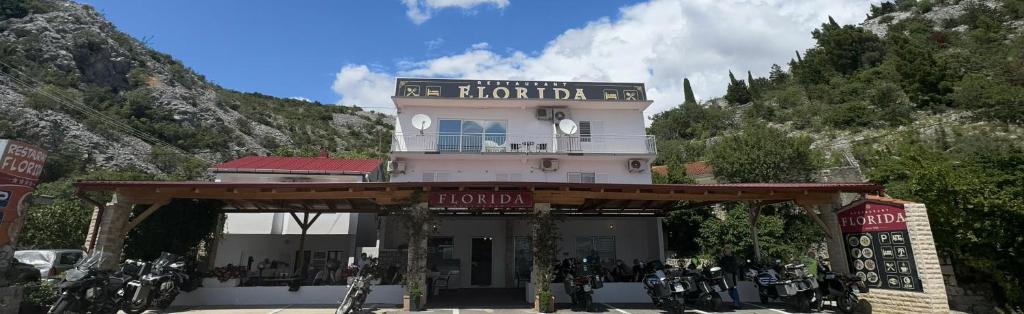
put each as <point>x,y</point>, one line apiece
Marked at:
<point>588,302</point>
<point>346,307</point>
<point>848,303</point>
<point>60,307</point>
<point>136,308</point>
<point>714,303</point>
<point>801,303</point>
<point>165,303</point>
<point>764,299</point>
<point>818,303</point>
<point>679,306</point>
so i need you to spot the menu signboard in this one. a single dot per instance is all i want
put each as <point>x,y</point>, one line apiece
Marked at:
<point>878,245</point>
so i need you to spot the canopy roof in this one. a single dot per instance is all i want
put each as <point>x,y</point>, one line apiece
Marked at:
<point>304,165</point>
<point>567,198</point>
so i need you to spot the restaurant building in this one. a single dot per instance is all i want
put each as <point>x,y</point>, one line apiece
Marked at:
<point>519,131</point>
<point>479,168</point>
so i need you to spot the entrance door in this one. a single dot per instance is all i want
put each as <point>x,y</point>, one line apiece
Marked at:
<point>480,274</point>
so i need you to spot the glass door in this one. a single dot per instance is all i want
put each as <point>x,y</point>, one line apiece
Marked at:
<point>480,274</point>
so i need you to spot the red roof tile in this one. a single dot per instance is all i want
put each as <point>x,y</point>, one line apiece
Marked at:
<point>698,168</point>
<point>298,165</point>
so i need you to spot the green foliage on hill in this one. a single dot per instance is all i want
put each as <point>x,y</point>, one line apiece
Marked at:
<point>938,108</point>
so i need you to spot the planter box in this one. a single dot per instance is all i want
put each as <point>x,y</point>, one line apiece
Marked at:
<point>216,283</point>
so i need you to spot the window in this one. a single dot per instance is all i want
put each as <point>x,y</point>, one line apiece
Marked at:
<point>603,245</point>
<point>585,131</point>
<point>471,135</point>
<point>436,176</point>
<point>582,177</point>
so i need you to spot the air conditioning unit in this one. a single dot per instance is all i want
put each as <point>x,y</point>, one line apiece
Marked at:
<point>636,165</point>
<point>549,164</point>
<point>559,114</point>
<point>543,113</point>
<point>396,166</point>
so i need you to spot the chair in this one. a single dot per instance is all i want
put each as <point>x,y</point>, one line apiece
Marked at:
<point>443,282</point>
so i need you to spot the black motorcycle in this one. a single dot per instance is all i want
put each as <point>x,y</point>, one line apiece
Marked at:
<point>156,283</point>
<point>88,289</point>
<point>790,283</point>
<point>708,285</point>
<point>359,289</point>
<point>667,289</point>
<point>580,281</point>
<point>840,288</point>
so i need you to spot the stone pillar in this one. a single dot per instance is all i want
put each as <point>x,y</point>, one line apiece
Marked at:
<point>418,225</point>
<point>933,298</point>
<point>112,232</point>
<point>544,246</point>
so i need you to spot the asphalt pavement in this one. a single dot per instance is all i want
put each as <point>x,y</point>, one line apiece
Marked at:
<point>524,309</point>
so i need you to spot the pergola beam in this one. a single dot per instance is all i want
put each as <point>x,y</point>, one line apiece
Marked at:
<point>145,214</point>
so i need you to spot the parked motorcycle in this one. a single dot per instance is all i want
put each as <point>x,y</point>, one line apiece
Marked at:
<point>358,289</point>
<point>710,283</point>
<point>88,289</point>
<point>790,283</point>
<point>840,288</point>
<point>156,283</point>
<point>580,282</point>
<point>667,291</point>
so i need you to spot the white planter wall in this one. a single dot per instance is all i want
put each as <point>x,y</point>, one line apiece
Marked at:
<point>308,295</point>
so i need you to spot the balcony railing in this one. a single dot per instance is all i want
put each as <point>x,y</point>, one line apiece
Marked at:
<point>524,144</point>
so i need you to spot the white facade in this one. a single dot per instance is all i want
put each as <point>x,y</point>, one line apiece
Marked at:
<point>506,141</point>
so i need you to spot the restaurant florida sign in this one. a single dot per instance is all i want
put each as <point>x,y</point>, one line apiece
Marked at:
<point>20,167</point>
<point>481,199</point>
<point>505,89</point>
<point>878,245</point>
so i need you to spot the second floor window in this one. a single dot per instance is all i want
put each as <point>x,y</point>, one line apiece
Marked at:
<point>460,135</point>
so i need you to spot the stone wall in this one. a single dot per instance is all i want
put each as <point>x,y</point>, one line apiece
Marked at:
<point>933,299</point>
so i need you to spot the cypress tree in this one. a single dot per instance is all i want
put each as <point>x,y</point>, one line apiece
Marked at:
<point>750,79</point>
<point>798,59</point>
<point>732,78</point>
<point>832,21</point>
<point>688,92</point>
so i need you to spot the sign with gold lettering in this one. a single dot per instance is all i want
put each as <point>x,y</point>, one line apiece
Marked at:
<point>481,199</point>
<point>505,89</point>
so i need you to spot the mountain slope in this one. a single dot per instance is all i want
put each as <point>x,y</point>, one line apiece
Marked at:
<point>94,96</point>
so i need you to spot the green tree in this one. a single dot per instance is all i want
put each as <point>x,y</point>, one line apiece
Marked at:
<point>848,48</point>
<point>737,92</point>
<point>688,92</point>
<point>760,153</point>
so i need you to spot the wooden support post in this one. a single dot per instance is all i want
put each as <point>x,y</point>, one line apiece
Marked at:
<point>755,212</point>
<point>808,208</point>
<point>304,224</point>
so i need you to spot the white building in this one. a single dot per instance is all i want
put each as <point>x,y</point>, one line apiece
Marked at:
<point>275,236</point>
<point>487,131</point>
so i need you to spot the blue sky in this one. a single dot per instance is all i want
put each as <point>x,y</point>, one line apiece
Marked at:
<point>348,52</point>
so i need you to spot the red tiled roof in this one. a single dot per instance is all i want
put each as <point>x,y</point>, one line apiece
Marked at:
<point>662,170</point>
<point>298,165</point>
<point>698,168</point>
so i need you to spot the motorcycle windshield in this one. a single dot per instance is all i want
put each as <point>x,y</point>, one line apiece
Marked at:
<point>165,259</point>
<point>91,261</point>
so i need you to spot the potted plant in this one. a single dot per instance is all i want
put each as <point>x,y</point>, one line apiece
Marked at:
<point>412,301</point>
<point>545,302</point>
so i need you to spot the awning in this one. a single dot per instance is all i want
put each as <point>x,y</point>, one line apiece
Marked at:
<point>582,199</point>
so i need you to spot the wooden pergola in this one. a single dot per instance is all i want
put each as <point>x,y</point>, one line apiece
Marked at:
<point>111,220</point>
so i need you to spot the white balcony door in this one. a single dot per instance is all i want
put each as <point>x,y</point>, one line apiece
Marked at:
<point>592,137</point>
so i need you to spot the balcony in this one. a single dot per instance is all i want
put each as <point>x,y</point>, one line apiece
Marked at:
<point>524,144</point>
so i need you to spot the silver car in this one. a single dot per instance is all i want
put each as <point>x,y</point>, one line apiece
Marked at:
<point>50,263</point>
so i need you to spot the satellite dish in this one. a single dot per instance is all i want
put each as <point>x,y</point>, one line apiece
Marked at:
<point>421,121</point>
<point>567,126</point>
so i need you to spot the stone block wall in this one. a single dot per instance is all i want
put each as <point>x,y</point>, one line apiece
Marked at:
<point>933,299</point>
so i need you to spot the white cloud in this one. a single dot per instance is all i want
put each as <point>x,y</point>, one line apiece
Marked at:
<point>301,98</point>
<point>657,43</point>
<point>419,11</point>
<point>434,43</point>
<point>360,86</point>
<point>481,45</point>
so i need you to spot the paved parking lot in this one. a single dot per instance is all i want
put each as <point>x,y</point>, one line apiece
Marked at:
<point>602,308</point>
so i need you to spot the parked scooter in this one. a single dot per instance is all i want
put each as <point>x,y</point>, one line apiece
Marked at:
<point>666,290</point>
<point>580,282</point>
<point>87,289</point>
<point>358,289</point>
<point>839,287</point>
<point>790,283</point>
<point>156,283</point>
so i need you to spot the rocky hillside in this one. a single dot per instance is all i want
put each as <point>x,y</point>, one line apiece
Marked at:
<point>94,96</point>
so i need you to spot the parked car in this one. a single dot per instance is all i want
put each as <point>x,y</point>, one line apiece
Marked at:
<point>50,263</point>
